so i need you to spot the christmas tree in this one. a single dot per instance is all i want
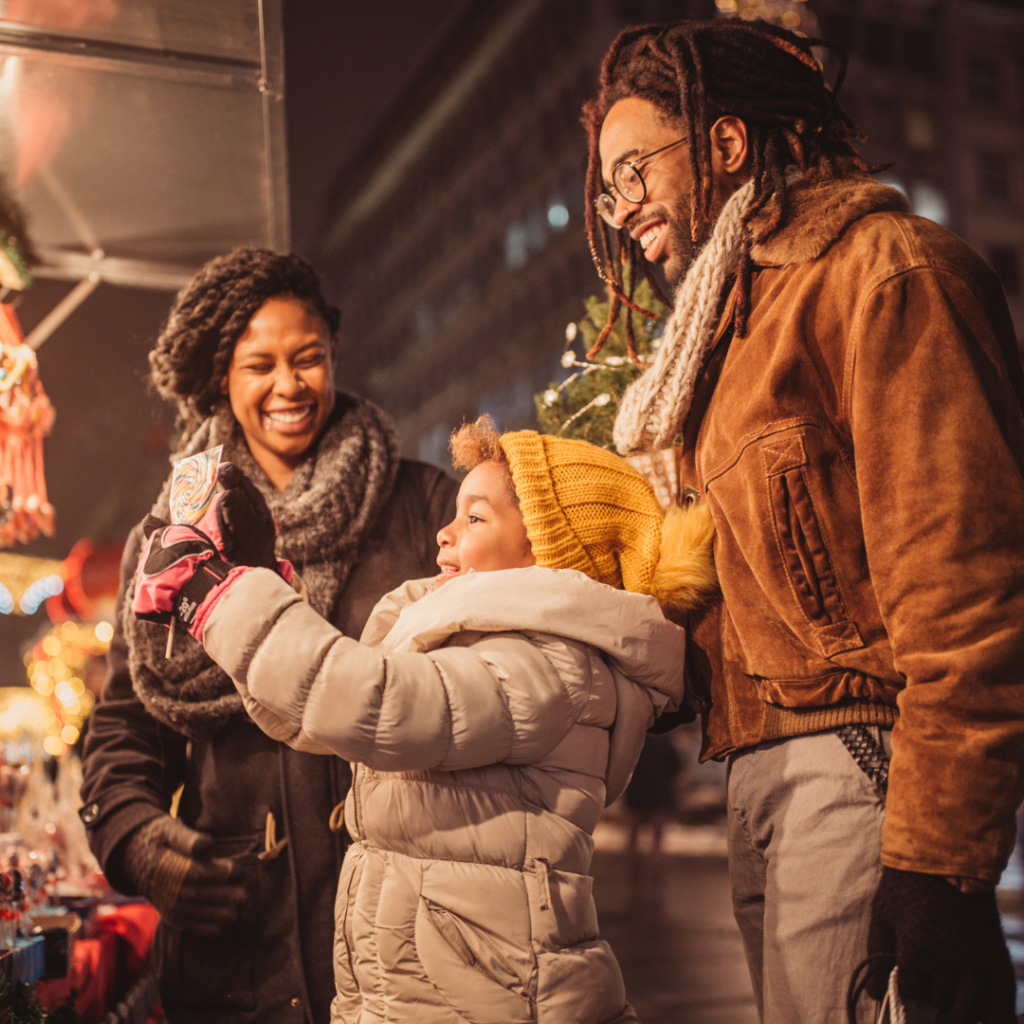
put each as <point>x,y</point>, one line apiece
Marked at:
<point>584,404</point>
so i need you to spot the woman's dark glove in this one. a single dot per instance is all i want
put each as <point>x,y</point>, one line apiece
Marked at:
<point>246,526</point>
<point>170,865</point>
<point>948,946</point>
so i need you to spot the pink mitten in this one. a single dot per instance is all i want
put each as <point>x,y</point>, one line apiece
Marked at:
<point>182,574</point>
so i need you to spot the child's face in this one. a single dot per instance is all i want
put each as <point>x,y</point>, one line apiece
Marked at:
<point>487,532</point>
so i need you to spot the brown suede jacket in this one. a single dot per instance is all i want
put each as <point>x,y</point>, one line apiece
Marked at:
<point>862,451</point>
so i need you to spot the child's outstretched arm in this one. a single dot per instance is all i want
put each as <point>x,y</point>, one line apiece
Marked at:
<point>457,707</point>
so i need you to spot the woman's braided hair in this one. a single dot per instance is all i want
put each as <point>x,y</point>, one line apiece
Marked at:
<point>193,352</point>
<point>695,72</point>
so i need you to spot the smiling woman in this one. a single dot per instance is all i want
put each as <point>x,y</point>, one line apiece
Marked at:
<point>247,356</point>
<point>280,384</point>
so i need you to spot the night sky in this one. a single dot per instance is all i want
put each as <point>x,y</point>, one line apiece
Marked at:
<point>345,66</point>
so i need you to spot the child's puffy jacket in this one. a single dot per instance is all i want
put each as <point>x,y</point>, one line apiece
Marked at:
<point>489,722</point>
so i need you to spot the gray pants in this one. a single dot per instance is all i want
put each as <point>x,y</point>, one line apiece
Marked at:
<point>805,828</point>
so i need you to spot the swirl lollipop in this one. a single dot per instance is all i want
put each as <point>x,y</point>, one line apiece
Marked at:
<point>192,485</point>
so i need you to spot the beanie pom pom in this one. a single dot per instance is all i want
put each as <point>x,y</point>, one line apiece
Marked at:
<point>685,577</point>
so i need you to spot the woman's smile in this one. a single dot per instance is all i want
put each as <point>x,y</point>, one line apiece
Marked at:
<point>289,421</point>
<point>281,384</point>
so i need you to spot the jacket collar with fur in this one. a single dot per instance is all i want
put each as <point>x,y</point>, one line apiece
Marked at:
<point>818,211</point>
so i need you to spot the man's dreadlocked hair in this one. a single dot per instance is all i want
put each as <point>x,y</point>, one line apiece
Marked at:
<point>193,352</point>
<point>695,72</point>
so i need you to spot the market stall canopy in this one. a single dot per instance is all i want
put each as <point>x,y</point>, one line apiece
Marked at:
<point>143,137</point>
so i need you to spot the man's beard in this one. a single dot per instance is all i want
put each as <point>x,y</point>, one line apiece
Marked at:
<point>681,247</point>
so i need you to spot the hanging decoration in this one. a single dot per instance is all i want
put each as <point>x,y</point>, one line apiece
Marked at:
<point>26,417</point>
<point>585,403</point>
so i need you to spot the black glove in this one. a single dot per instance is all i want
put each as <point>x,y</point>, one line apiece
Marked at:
<point>170,865</point>
<point>948,946</point>
<point>246,525</point>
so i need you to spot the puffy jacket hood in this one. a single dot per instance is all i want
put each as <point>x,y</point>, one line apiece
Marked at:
<point>629,629</point>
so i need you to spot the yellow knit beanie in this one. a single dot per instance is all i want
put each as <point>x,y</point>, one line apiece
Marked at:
<point>585,508</point>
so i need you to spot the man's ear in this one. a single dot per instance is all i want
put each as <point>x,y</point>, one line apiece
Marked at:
<point>224,384</point>
<point>730,148</point>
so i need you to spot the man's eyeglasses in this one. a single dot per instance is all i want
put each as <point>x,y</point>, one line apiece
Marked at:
<point>629,183</point>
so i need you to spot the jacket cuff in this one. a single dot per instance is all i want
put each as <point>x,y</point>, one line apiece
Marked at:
<point>108,827</point>
<point>977,878</point>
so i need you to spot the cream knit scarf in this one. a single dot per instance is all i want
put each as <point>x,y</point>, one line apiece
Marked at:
<point>654,407</point>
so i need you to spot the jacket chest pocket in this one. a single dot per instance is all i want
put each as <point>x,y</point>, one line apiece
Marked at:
<point>803,548</point>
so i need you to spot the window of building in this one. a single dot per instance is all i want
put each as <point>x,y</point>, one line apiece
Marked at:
<point>426,323</point>
<point>919,129</point>
<point>1005,262</point>
<point>928,200</point>
<point>919,51</point>
<point>886,127</point>
<point>558,214</point>
<point>876,43</point>
<point>994,176</point>
<point>984,83</point>
<point>516,249</point>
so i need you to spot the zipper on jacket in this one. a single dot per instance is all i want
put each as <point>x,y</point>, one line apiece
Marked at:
<point>540,866</point>
<point>355,803</point>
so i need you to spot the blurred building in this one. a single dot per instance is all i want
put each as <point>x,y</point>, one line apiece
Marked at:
<point>454,242</point>
<point>938,87</point>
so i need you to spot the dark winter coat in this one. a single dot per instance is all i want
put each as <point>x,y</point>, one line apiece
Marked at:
<point>275,965</point>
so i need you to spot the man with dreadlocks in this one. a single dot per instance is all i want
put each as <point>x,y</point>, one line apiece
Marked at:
<point>847,386</point>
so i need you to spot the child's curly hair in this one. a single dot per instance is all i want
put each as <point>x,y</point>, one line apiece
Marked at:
<point>477,442</point>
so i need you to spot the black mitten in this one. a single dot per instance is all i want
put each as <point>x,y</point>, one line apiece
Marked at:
<point>170,865</point>
<point>246,525</point>
<point>948,946</point>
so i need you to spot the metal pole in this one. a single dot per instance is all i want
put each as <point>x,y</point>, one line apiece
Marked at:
<point>63,310</point>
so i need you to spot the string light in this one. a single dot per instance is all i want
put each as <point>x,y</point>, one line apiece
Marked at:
<point>25,582</point>
<point>56,667</point>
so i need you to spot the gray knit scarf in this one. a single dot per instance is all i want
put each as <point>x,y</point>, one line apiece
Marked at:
<point>335,496</point>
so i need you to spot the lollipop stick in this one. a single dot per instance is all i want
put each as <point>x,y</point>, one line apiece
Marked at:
<point>170,640</point>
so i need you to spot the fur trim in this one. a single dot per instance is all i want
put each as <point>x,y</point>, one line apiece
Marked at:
<point>818,211</point>
<point>323,515</point>
<point>686,577</point>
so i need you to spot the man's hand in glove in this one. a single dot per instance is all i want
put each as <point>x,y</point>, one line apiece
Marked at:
<point>170,865</point>
<point>948,946</point>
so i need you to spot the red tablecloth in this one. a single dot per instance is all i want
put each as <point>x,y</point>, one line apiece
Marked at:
<point>94,972</point>
<point>136,924</point>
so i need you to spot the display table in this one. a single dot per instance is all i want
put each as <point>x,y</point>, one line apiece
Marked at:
<point>26,962</point>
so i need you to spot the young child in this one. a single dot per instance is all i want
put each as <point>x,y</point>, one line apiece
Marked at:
<point>490,714</point>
